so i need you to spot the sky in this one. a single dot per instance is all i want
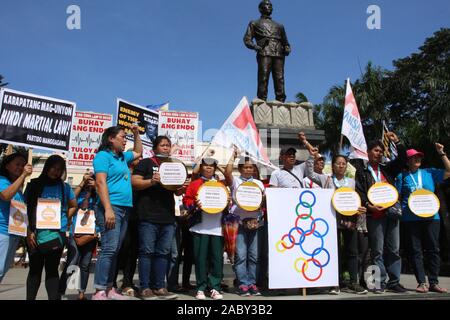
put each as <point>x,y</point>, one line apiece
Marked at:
<point>191,52</point>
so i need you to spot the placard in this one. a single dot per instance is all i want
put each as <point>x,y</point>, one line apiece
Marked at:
<point>383,194</point>
<point>249,196</point>
<point>18,219</point>
<point>213,196</point>
<point>48,214</point>
<point>173,174</point>
<point>423,203</point>
<point>85,223</point>
<point>346,201</point>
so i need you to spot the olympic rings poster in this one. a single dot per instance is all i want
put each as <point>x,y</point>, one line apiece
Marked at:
<point>302,238</point>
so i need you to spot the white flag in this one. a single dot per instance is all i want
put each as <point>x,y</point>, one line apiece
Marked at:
<point>352,127</point>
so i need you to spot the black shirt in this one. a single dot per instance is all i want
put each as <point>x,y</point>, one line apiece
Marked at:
<point>154,204</point>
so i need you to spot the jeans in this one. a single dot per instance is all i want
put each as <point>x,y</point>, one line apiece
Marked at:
<point>263,254</point>
<point>81,257</point>
<point>173,267</point>
<point>423,237</point>
<point>246,257</point>
<point>348,254</point>
<point>155,241</point>
<point>8,247</point>
<point>384,238</point>
<point>111,240</point>
<point>128,255</point>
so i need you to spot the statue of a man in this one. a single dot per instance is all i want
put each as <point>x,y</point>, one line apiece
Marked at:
<point>271,46</point>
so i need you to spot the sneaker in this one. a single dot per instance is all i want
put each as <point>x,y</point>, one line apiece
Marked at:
<point>422,288</point>
<point>100,295</point>
<point>356,288</point>
<point>379,291</point>
<point>243,291</point>
<point>398,288</point>
<point>114,295</point>
<point>200,295</point>
<point>253,289</point>
<point>334,291</point>
<point>163,294</point>
<point>147,294</point>
<point>436,288</point>
<point>215,295</point>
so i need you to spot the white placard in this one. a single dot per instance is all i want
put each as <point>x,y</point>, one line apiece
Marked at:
<point>48,214</point>
<point>213,197</point>
<point>249,196</point>
<point>423,203</point>
<point>85,223</point>
<point>172,173</point>
<point>383,194</point>
<point>302,238</point>
<point>346,201</point>
<point>18,219</point>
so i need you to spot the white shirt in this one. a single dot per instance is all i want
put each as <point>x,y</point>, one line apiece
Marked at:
<point>283,179</point>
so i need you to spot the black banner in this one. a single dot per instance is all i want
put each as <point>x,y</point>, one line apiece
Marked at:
<point>35,121</point>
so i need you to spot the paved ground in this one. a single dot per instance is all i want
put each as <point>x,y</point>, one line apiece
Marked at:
<point>13,288</point>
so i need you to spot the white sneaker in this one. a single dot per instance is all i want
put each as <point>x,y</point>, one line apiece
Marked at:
<point>215,295</point>
<point>200,295</point>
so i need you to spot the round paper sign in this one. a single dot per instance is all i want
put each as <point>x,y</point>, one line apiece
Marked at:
<point>173,173</point>
<point>213,196</point>
<point>383,194</point>
<point>249,196</point>
<point>346,201</point>
<point>423,203</point>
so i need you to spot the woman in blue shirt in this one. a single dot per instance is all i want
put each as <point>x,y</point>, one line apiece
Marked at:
<point>113,181</point>
<point>13,171</point>
<point>45,246</point>
<point>422,234</point>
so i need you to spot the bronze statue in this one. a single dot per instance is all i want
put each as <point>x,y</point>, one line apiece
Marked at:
<point>271,46</point>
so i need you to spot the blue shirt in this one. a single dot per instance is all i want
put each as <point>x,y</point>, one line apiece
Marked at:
<point>118,177</point>
<point>407,185</point>
<point>4,205</point>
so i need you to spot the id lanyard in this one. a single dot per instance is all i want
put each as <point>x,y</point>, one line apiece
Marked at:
<point>246,179</point>
<point>337,184</point>
<point>419,184</point>
<point>377,176</point>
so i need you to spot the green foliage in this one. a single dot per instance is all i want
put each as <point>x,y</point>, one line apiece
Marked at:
<point>413,99</point>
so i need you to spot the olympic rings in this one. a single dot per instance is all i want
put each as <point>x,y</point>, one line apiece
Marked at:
<point>303,203</point>
<point>304,270</point>
<point>296,262</point>
<point>290,238</point>
<point>313,228</point>
<point>315,254</point>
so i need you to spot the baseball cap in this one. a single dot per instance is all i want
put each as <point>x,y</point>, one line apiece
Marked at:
<point>412,152</point>
<point>287,150</point>
<point>210,161</point>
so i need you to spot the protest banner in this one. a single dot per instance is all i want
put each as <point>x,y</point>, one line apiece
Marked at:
<point>302,238</point>
<point>181,128</point>
<point>87,131</point>
<point>147,120</point>
<point>31,120</point>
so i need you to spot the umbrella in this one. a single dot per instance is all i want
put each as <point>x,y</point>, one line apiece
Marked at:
<point>230,228</point>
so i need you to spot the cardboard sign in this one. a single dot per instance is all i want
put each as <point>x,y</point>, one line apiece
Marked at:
<point>383,194</point>
<point>249,196</point>
<point>18,219</point>
<point>213,196</point>
<point>48,214</point>
<point>423,203</point>
<point>346,201</point>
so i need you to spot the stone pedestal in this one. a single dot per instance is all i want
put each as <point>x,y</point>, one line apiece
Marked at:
<point>279,124</point>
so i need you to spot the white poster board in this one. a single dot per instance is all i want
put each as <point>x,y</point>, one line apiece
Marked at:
<point>302,238</point>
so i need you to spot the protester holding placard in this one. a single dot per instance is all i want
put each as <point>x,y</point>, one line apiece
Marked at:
<point>347,224</point>
<point>207,233</point>
<point>48,200</point>
<point>13,172</point>
<point>156,211</point>
<point>384,232</point>
<point>246,256</point>
<point>113,182</point>
<point>79,253</point>
<point>422,229</point>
